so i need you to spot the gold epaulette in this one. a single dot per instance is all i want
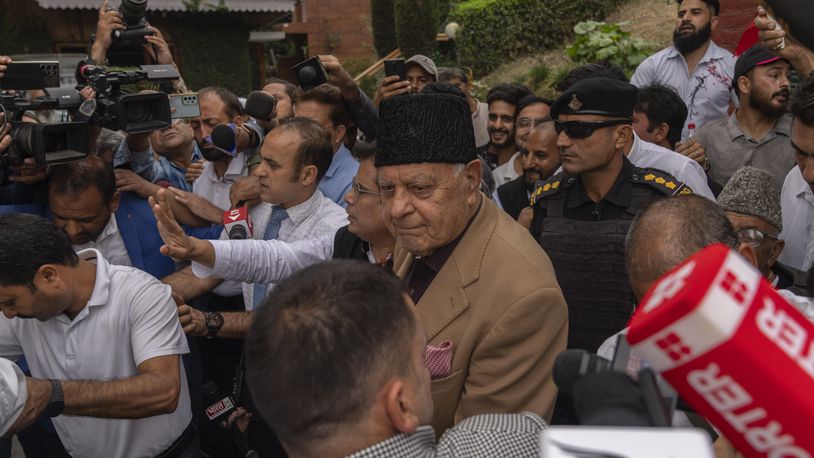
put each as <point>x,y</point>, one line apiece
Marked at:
<point>549,187</point>
<point>662,181</point>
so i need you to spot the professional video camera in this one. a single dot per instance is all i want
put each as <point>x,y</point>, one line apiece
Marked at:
<point>47,143</point>
<point>133,113</point>
<point>126,46</point>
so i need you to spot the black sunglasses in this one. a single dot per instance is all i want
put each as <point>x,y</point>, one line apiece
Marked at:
<point>584,129</point>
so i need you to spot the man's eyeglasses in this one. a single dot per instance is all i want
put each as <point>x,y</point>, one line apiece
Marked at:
<point>753,236</point>
<point>358,189</point>
<point>584,129</point>
<point>529,122</point>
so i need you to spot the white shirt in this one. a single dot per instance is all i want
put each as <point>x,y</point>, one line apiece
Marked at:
<point>506,172</point>
<point>13,394</point>
<point>649,155</point>
<point>480,124</point>
<point>265,261</point>
<point>216,190</point>
<point>110,243</point>
<point>707,92</point>
<point>313,218</point>
<point>797,206</point>
<point>130,318</point>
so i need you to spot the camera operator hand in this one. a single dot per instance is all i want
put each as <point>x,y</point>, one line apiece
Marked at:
<point>157,48</point>
<point>109,20</point>
<point>194,170</point>
<point>3,61</point>
<point>339,77</point>
<point>127,180</point>
<point>391,86</point>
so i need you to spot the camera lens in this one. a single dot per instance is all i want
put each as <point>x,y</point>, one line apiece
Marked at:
<point>306,76</point>
<point>133,10</point>
<point>137,112</point>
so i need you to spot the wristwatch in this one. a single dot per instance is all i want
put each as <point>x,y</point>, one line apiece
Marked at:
<point>57,403</point>
<point>214,321</point>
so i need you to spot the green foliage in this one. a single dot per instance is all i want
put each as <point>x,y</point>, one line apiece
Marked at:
<point>195,6</point>
<point>416,26</point>
<point>538,75</point>
<point>384,26</point>
<point>496,31</point>
<point>601,41</point>
<point>214,47</point>
<point>17,39</point>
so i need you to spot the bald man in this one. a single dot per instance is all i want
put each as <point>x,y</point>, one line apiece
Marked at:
<point>540,158</point>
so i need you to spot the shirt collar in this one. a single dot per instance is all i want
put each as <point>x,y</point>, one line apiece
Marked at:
<point>301,212</point>
<point>801,186</point>
<point>733,127</point>
<point>618,195</point>
<point>235,170</point>
<point>419,443</point>
<point>101,287</point>
<point>342,154</point>
<point>782,126</point>
<point>714,52</point>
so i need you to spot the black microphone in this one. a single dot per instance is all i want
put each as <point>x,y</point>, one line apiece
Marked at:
<point>575,370</point>
<point>572,365</point>
<point>233,139</point>
<point>261,105</point>
<point>220,408</point>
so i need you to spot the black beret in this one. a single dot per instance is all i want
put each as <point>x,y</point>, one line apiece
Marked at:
<point>425,128</point>
<point>597,96</point>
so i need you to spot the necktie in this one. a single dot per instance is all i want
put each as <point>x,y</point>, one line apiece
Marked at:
<point>278,215</point>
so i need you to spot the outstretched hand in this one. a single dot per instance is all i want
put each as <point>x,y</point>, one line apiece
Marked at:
<point>177,244</point>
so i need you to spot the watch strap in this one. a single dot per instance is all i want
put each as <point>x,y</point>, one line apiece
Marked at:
<point>57,403</point>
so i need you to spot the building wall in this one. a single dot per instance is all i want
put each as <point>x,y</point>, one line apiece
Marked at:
<point>735,18</point>
<point>338,27</point>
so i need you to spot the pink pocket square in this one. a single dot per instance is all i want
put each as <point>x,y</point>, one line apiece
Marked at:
<point>438,360</point>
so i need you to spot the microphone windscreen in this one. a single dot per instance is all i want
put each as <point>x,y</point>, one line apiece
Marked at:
<point>571,365</point>
<point>260,105</point>
<point>223,136</point>
<point>609,399</point>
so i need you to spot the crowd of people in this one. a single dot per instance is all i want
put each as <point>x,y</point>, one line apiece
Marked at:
<point>415,259</point>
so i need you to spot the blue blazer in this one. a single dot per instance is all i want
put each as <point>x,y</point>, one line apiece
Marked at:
<point>137,225</point>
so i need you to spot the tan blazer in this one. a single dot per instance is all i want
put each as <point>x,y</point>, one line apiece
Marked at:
<point>497,299</point>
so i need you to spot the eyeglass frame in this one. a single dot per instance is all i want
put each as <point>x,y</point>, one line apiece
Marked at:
<point>533,122</point>
<point>763,236</point>
<point>358,189</point>
<point>593,126</point>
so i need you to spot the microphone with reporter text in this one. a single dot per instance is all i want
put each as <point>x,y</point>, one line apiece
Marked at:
<point>219,409</point>
<point>734,349</point>
<point>238,222</point>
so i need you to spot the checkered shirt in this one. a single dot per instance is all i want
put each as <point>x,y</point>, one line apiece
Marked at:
<point>504,435</point>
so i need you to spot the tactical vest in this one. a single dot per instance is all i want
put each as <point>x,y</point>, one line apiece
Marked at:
<point>589,260</point>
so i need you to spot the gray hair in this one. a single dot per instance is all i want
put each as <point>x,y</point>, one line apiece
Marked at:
<point>445,74</point>
<point>672,229</point>
<point>108,140</point>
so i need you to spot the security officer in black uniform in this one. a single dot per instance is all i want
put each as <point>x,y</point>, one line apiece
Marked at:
<point>581,216</point>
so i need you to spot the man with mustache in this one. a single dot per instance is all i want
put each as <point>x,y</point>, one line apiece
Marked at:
<point>758,132</point>
<point>540,159</point>
<point>531,111</point>
<point>581,216</point>
<point>699,70</point>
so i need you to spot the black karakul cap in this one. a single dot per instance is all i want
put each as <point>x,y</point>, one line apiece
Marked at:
<point>424,128</point>
<point>597,96</point>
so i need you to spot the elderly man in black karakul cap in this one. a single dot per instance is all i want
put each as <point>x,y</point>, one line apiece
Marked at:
<point>485,292</point>
<point>581,216</point>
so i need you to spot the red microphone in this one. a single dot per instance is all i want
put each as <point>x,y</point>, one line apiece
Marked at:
<point>734,349</point>
<point>238,222</point>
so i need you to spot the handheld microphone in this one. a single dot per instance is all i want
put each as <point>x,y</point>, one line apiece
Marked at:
<point>232,139</point>
<point>572,365</point>
<point>260,105</point>
<point>734,349</point>
<point>220,407</point>
<point>238,222</point>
